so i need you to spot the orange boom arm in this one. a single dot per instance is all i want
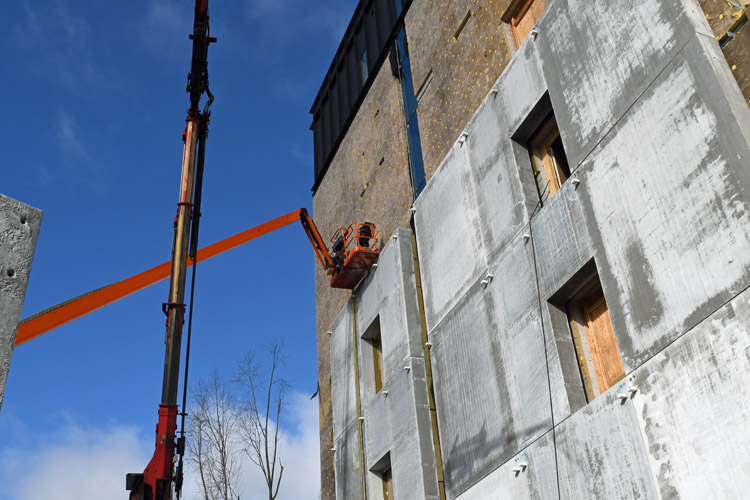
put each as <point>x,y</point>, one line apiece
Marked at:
<point>60,314</point>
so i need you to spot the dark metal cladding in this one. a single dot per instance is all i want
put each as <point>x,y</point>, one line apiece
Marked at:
<point>370,32</point>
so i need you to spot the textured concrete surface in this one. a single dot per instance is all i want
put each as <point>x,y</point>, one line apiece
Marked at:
<point>600,453</point>
<point>490,372</point>
<point>535,481</point>
<point>19,229</point>
<point>668,197</point>
<point>693,406</point>
<point>396,420</point>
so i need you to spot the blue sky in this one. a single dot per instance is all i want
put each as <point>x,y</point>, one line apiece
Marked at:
<point>94,105</point>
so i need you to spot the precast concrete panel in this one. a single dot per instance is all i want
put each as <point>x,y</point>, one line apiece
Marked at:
<point>693,407</point>
<point>346,457</point>
<point>668,190</point>
<point>19,229</point>
<point>414,473</point>
<point>389,294</point>
<point>530,475</point>
<point>490,373</point>
<point>521,86</point>
<point>502,207</point>
<point>451,252</point>
<point>343,389</point>
<point>377,429</point>
<point>600,453</point>
<point>561,241</point>
<point>599,57</point>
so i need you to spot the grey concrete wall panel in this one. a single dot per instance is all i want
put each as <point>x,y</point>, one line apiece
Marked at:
<point>600,452</point>
<point>536,481</point>
<point>389,293</point>
<point>377,433</point>
<point>693,406</point>
<point>736,105</point>
<point>343,394</point>
<point>346,459</point>
<point>451,251</point>
<point>414,473</point>
<point>598,57</point>
<point>503,206</point>
<point>490,373</point>
<point>561,240</point>
<point>19,230</point>
<point>521,85</point>
<point>669,199</point>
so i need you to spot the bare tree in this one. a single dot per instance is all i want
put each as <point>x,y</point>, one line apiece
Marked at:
<point>264,401</point>
<point>212,439</point>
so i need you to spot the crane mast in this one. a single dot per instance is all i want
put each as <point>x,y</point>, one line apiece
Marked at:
<point>155,483</point>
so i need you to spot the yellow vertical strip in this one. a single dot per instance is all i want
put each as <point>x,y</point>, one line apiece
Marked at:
<point>356,392</point>
<point>428,370</point>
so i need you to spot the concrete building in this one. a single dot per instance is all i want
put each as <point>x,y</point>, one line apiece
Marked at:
<point>560,308</point>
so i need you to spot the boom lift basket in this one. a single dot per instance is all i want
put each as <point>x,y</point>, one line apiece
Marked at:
<point>354,249</point>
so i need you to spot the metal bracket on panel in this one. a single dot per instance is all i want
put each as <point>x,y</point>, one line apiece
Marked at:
<point>428,344</point>
<point>361,419</point>
<point>462,138</point>
<point>407,368</point>
<point>384,393</point>
<point>493,91</point>
<point>575,181</point>
<point>534,32</point>
<point>488,277</point>
<point>413,209</point>
<point>622,396</point>
<point>526,237</point>
<point>375,265</point>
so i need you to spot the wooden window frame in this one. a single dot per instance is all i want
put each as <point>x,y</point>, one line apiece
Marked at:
<point>544,158</point>
<point>373,337</point>
<point>514,16</point>
<point>597,352</point>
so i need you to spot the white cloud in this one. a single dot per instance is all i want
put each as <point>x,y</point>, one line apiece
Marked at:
<point>72,463</point>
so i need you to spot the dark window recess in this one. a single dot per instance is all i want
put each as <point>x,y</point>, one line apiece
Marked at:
<point>363,49</point>
<point>548,158</point>
<point>416,162</point>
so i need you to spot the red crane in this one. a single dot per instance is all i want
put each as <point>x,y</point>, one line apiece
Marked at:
<point>354,250</point>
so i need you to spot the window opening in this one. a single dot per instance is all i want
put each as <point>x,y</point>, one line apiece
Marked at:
<point>522,16</point>
<point>387,484</point>
<point>382,471</point>
<point>418,177</point>
<point>548,157</point>
<point>372,336</point>
<point>597,352</point>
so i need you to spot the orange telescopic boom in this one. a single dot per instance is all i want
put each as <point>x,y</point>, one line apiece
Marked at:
<point>358,263</point>
<point>60,314</point>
